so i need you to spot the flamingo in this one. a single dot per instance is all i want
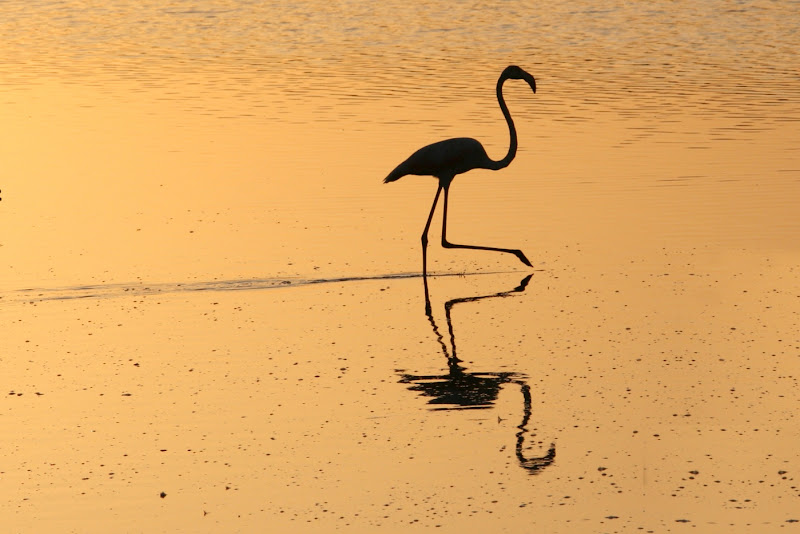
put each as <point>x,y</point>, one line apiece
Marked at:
<point>446,159</point>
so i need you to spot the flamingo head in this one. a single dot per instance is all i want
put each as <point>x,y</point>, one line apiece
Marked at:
<point>516,73</point>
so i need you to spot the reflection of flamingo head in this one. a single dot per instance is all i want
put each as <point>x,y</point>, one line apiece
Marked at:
<point>535,464</point>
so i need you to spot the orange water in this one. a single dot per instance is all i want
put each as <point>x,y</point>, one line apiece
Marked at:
<point>207,290</point>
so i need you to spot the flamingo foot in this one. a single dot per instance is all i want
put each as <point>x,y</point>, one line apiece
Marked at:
<point>522,258</point>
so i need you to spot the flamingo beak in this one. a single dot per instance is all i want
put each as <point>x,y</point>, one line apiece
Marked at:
<point>531,81</point>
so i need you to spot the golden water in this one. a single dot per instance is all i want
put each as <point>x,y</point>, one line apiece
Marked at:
<point>206,290</point>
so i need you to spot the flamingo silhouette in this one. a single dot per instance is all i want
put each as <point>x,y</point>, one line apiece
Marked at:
<point>446,159</point>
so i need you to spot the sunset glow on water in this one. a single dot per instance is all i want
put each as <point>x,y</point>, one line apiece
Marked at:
<point>213,313</point>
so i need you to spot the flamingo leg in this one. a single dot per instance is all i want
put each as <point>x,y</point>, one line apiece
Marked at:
<point>425,233</point>
<point>447,244</point>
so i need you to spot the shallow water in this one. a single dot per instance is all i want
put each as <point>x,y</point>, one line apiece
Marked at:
<point>207,290</point>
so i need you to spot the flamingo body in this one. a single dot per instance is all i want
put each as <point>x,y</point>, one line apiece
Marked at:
<point>444,160</point>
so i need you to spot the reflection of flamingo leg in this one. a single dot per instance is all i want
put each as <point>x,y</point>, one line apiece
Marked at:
<point>451,356</point>
<point>429,314</point>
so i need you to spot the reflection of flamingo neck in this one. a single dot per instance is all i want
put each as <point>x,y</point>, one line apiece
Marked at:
<point>526,407</point>
<point>535,464</point>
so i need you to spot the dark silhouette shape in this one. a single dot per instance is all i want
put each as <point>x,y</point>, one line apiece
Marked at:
<point>535,463</point>
<point>445,159</point>
<point>461,390</point>
<point>448,306</point>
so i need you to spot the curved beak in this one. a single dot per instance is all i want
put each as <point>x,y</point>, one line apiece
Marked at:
<point>531,81</point>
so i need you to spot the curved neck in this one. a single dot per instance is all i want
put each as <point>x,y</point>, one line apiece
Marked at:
<point>512,148</point>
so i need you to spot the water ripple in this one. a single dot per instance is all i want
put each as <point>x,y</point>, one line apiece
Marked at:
<point>645,60</point>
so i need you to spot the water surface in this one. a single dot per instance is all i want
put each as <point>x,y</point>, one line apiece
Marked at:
<point>208,293</point>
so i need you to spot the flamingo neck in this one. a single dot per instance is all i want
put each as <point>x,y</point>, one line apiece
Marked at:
<point>512,148</point>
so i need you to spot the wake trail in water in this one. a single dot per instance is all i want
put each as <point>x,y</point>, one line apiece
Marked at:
<point>108,291</point>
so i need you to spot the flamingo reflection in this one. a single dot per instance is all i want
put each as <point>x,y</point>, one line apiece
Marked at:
<point>462,390</point>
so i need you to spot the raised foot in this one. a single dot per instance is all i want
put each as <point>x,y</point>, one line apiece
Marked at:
<point>522,258</point>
